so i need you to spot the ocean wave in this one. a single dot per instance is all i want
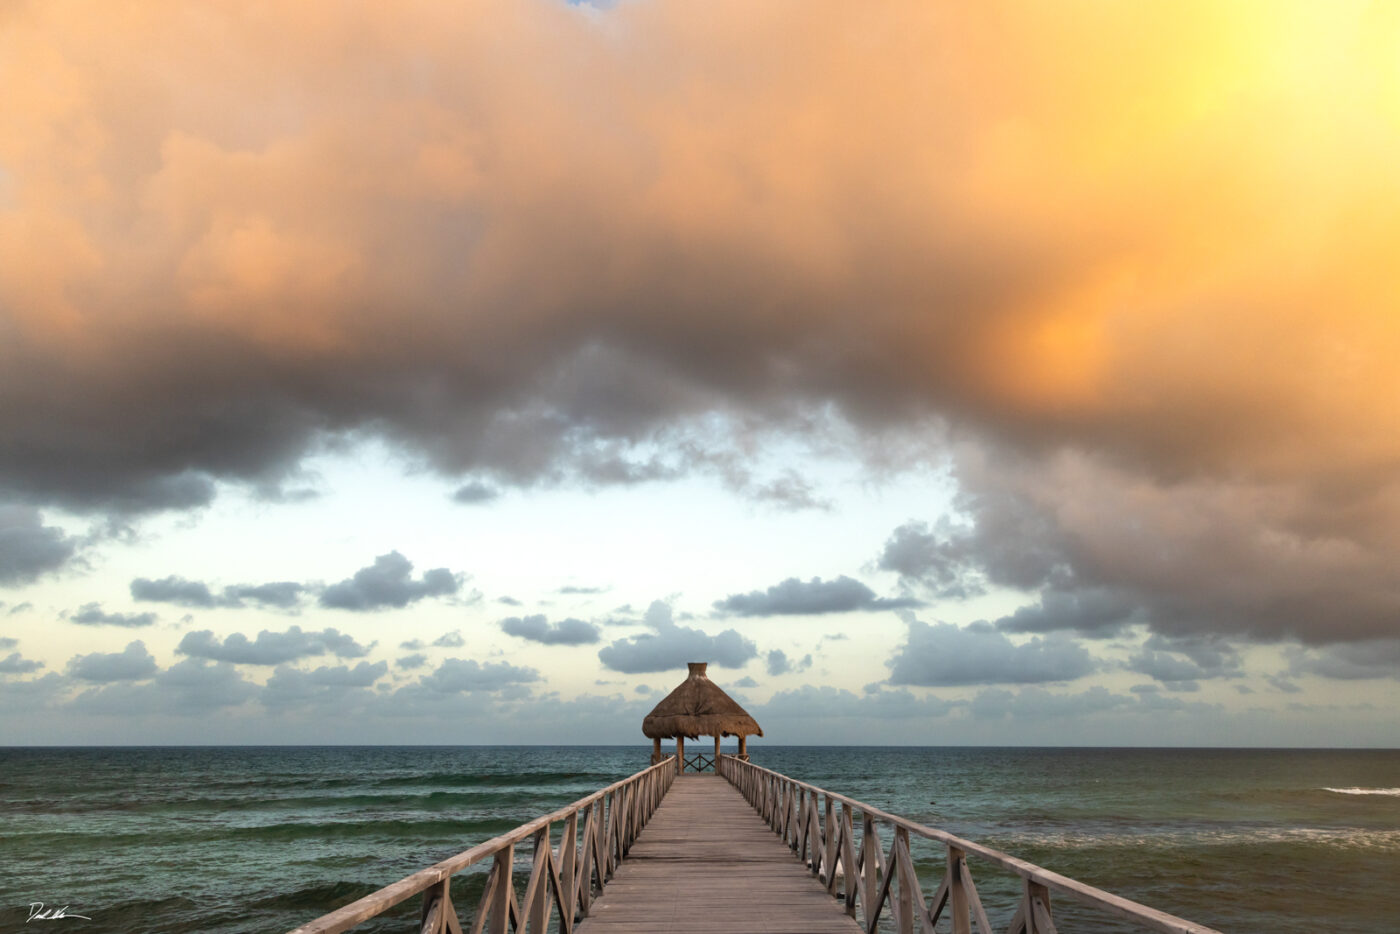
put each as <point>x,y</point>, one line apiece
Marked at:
<point>1348,837</point>
<point>1388,792</point>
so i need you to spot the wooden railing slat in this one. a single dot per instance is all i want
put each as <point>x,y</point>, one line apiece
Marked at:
<point>745,774</point>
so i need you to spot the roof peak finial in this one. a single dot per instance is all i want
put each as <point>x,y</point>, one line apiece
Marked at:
<point>697,669</point>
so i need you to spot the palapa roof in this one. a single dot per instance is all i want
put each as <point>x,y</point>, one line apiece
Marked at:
<point>699,708</point>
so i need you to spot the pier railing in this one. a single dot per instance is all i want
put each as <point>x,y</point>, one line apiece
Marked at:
<point>820,826</point>
<point>563,881</point>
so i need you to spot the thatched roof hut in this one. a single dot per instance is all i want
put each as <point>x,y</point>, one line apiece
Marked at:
<point>698,708</point>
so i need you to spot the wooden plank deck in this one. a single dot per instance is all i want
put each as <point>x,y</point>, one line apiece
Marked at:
<point>707,863</point>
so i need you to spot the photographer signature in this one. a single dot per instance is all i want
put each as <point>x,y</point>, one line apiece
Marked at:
<point>37,912</point>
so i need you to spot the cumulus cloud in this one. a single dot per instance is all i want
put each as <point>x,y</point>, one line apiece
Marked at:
<point>28,548</point>
<point>189,688</point>
<point>997,251</point>
<point>92,614</point>
<point>16,664</point>
<point>288,687</point>
<point>409,662</point>
<point>456,675</point>
<point>475,492</point>
<point>283,595</point>
<point>450,640</point>
<point>389,583</point>
<point>539,629</point>
<point>670,646</point>
<point>1183,661</point>
<point>133,663</point>
<point>828,703</point>
<point>778,663</point>
<point>794,597</point>
<point>945,654</point>
<point>270,648</point>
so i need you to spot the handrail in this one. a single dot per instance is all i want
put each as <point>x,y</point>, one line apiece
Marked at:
<point>565,880</point>
<point>824,839</point>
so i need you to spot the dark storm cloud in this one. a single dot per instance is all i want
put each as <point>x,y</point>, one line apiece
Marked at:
<point>133,663</point>
<point>92,614</point>
<point>28,548</point>
<point>389,583</point>
<point>456,675</point>
<point>670,646</point>
<point>1101,548</point>
<point>270,648</point>
<point>16,664</point>
<point>188,301</point>
<point>942,654</point>
<point>1375,658</point>
<point>539,629</point>
<point>795,597</point>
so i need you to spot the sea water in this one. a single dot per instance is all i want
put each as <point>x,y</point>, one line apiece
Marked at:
<point>231,839</point>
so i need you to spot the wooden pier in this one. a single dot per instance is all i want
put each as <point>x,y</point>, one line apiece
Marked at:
<point>748,851</point>
<point>744,850</point>
<point>705,863</point>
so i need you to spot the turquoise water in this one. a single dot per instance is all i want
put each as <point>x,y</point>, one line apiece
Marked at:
<point>265,838</point>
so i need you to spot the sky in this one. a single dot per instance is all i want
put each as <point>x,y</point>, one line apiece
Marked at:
<point>1008,373</point>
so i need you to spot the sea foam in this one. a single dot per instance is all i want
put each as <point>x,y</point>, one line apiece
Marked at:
<point>1391,792</point>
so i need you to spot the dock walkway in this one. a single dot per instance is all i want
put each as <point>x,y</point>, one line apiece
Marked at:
<point>707,862</point>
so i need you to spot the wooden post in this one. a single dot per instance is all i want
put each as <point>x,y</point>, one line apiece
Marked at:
<point>743,747</point>
<point>716,753</point>
<point>656,750</point>
<point>680,753</point>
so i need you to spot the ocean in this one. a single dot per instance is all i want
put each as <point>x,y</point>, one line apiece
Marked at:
<point>233,839</point>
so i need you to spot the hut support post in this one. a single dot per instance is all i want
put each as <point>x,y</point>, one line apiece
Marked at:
<point>744,747</point>
<point>656,750</point>
<point>680,753</point>
<point>716,752</point>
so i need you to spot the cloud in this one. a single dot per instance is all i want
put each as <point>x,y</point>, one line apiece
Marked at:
<point>538,629</point>
<point>794,597</point>
<point>290,687</point>
<point>671,646</point>
<point>409,662</point>
<point>270,648</point>
<point>473,493</point>
<point>284,595</point>
<point>1181,662</point>
<point>190,688</point>
<point>450,640</point>
<point>15,664</point>
<point>828,703</point>
<point>942,654</point>
<point>389,583</point>
<point>1376,658</point>
<point>6,642</point>
<point>455,675</point>
<point>92,614</point>
<point>1064,300</point>
<point>133,663</point>
<point>28,548</point>
<point>778,663</point>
